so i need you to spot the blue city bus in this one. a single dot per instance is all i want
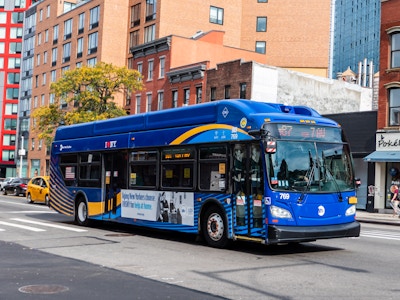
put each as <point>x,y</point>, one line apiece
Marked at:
<point>227,170</point>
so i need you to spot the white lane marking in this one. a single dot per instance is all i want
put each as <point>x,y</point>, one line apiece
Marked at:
<point>380,234</point>
<point>21,226</point>
<point>49,225</point>
<point>31,211</point>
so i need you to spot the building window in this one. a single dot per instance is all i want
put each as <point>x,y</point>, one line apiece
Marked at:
<point>260,47</point>
<point>66,52</point>
<point>227,92</point>
<point>199,92</point>
<point>48,11</point>
<point>151,10</point>
<point>94,17</point>
<point>134,38</point>
<point>243,87</point>
<point>186,97</point>
<point>12,93</point>
<point>216,15</point>
<point>17,17</point>
<point>81,23</point>
<point>79,48</point>
<point>9,140</point>
<point>16,33</point>
<point>140,68</point>
<point>91,62</point>
<point>261,23</point>
<point>54,56</point>
<point>150,70</point>
<point>162,67</point>
<point>67,29</point>
<point>149,100</point>
<point>46,35</point>
<point>55,34</point>
<point>262,1</point>
<point>149,33</point>
<point>53,75</point>
<point>394,106</point>
<point>174,99</point>
<point>138,100</point>
<point>213,93</point>
<point>10,124</point>
<point>15,48</point>
<point>13,78</point>
<point>45,54</point>
<point>160,100</point>
<point>395,50</point>
<point>11,109</point>
<point>135,15</point>
<point>92,43</point>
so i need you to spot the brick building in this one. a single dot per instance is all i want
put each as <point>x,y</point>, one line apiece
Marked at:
<point>387,145</point>
<point>63,35</point>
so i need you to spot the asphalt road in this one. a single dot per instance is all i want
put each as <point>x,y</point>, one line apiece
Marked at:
<point>44,251</point>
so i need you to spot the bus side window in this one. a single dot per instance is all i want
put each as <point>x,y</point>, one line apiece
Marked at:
<point>212,168</point>
<point>143,169</point>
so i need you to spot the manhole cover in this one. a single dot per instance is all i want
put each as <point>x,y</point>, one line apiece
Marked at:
<point>43,289</point>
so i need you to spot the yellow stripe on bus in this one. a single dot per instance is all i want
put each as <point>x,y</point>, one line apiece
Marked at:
<point>200,129</point>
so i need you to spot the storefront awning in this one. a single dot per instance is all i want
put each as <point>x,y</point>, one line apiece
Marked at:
<point>383,156</point>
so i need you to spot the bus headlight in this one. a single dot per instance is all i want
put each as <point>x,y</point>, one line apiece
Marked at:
<point>278,212</point>
<point>351,211</point>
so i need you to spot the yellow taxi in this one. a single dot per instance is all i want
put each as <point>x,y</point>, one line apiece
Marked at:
<point>38,190</point>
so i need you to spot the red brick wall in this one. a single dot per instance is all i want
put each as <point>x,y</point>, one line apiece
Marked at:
<point>390,17</point>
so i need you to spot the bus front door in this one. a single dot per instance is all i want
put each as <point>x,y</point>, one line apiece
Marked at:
<point>247,179</point>
<point>113,181</point>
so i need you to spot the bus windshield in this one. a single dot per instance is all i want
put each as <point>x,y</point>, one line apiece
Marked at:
<point>310,166</point>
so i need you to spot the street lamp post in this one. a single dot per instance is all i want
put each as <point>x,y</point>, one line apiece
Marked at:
<point>21,155</point>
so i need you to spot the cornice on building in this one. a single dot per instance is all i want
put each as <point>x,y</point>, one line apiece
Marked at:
<point>153,47</point>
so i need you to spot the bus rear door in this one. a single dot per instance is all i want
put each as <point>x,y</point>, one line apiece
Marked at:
<point>114,180</point>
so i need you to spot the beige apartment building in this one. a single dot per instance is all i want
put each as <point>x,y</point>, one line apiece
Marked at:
<point>291,34</point>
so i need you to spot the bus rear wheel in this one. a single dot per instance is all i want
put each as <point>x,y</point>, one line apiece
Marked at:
<point>214,227</point>
<point>81,213</point>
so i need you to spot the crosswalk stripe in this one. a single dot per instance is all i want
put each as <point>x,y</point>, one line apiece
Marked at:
<point>21,226</point>
<point>49,225</point>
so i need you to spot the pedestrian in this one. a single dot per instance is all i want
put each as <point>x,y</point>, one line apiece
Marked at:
<point>394,189</point>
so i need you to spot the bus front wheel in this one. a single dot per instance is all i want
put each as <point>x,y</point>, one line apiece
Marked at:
<point>214,227</point>
<point>81,213</point>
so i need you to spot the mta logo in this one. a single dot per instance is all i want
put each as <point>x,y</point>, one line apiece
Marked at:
<point>110,144</point>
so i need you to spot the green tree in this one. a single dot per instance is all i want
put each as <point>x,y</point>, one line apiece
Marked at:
<point>88,93</point>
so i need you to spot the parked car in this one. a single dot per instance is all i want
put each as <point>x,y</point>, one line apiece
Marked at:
<point>38,189</point>
<point>5,181</point>
<point>16,186</point>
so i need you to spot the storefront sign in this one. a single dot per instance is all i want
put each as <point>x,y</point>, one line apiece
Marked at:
<point>388,141</point>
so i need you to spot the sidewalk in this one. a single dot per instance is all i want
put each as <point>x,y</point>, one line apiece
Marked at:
<point>367,217</point>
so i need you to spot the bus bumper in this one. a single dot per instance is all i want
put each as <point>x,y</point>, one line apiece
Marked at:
<point>296,234</point>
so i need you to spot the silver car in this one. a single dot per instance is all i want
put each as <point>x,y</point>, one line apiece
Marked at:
<point>5,181</point>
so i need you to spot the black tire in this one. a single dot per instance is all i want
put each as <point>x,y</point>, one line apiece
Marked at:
<point>29,198</point>
<point>214,227</point>
<point>81,212</point>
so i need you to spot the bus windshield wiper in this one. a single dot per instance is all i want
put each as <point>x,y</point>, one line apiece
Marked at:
<point>332,178</point>
<point>308,178</point>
